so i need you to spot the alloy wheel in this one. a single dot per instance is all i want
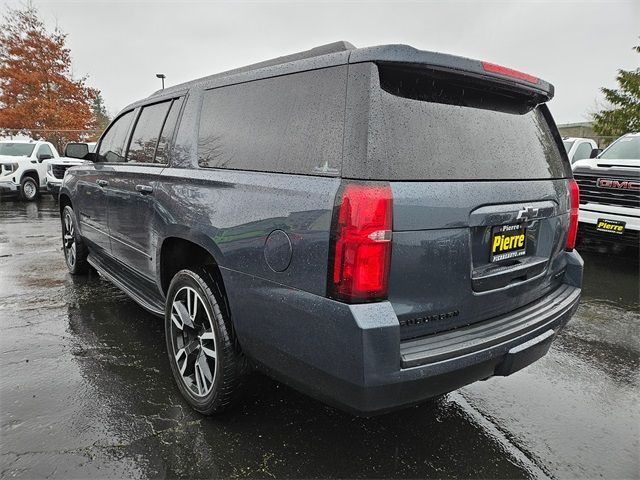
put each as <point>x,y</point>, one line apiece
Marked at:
<point>69,240</point>
<point>193,341</point>
<point>29,190</point>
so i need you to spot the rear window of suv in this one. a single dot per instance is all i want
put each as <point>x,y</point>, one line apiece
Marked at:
<point>438,126</point>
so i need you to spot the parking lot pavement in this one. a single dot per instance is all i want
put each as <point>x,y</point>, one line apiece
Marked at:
<point>86,390</point>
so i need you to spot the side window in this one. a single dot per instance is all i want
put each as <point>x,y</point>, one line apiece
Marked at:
<point>112,146</point>
<point>44,149</point>
<point>144,140</point>
<point>287,124</point>
<point>162,152</point>
<point>583,151</point>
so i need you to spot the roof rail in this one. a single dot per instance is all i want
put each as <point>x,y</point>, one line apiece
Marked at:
<point>335,47</point>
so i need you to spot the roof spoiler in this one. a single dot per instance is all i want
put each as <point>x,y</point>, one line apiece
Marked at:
<point>404,54</point>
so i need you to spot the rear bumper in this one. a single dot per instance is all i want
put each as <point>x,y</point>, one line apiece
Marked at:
<point>443,363</point>
<point>497,334</point>
<point>351,356</point>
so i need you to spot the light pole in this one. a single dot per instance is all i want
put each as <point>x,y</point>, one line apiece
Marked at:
<point>161,76</point>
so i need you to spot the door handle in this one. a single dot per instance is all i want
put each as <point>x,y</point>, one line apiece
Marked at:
<point>102,183</point>
<point>144,189</point>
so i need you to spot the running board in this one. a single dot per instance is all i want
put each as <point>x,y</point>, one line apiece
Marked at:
<point>122,277</point>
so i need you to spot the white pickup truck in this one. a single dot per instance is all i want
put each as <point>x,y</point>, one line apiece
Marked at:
<point>57,167</point>
<point>23,167</point>
<point>610,193</point>
<point>579,148</point>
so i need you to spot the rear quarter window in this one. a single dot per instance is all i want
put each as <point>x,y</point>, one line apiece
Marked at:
<point>286,124</point>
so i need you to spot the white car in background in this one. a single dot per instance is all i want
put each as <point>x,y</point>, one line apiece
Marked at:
<point>610,193</point>
<point>74,154</point>
<point>580,148</point>
<point>23,167</point>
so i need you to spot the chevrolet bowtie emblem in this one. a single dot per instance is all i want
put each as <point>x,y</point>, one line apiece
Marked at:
<point>527,213</point>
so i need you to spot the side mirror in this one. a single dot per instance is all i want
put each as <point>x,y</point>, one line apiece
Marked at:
<point>595,152</point>
<point>44,156</point>
<point>76,150</point>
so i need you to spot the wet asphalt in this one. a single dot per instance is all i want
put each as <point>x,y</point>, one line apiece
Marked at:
<point>86,391</point>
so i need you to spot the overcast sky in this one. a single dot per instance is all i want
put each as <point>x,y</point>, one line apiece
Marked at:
<point>121,45</point>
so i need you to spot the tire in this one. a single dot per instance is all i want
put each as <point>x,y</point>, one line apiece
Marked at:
<point>75,250</point>
<point>29,189</point>
<point>205,360</point>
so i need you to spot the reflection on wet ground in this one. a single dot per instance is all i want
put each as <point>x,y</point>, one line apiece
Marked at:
<point>86,390</point>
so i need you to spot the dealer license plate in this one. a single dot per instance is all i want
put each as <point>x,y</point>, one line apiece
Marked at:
<point>610,226</point>
<point>508,241</point>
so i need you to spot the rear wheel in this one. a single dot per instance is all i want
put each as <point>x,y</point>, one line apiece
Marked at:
<point>75,251</point>
<point>204,359</point>
<point>29,189</point>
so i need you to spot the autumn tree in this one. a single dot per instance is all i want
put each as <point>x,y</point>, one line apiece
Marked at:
<point>623,114</point>
<point>38,94</point>
<point>100,116</point>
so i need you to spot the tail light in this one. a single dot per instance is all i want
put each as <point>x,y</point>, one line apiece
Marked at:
<point>359,270</point>
<point>574,198</point>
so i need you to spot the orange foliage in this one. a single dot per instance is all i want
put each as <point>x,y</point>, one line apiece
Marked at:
<point>38,94</point>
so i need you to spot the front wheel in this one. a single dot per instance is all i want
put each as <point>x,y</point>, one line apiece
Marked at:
<point>75,251</point>
<point>204,359</point>
<point>29,189</point>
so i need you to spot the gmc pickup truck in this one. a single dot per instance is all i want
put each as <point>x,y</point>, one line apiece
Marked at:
<point>610,193</point>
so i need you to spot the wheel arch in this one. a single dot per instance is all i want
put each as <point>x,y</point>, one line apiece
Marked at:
<point>63,201</point>
<point>184,248</point>
<point>31,173</point>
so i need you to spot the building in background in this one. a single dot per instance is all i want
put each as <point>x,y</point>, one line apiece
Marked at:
<point>584,130</point>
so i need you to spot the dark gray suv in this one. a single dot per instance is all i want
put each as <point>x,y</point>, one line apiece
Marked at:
<point>373,226</point>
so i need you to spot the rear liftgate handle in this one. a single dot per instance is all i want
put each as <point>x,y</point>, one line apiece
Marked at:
<point>144,189</point>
